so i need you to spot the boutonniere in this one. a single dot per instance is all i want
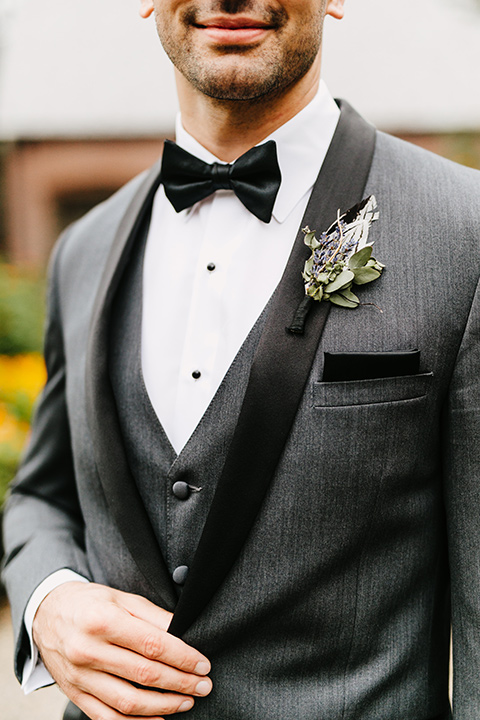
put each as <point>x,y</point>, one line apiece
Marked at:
<point>341,258</point>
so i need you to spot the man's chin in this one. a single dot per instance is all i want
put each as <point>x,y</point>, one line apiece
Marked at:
<point>235,86</point>
<point>233,94</point>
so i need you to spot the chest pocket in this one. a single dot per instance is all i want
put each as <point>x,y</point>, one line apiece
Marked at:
<point>345,393</point>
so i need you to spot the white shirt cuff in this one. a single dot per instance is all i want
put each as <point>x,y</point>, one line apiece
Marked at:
<point>35,674</point>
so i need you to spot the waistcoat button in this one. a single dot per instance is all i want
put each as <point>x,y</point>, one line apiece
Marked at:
<point>181,490</point>
<point>179,575</point>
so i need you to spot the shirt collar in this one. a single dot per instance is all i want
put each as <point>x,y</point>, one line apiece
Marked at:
<point>302,144</point>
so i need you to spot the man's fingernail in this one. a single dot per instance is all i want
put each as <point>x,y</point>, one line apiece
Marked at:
<point>202,668</point>
<point>203,687</point>
<point>187,705</point>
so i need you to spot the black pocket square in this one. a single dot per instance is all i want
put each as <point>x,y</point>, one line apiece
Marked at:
<point>368,365</point>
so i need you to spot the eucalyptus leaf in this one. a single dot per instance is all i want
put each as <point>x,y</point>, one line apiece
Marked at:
<point>349,295</point>
<point>360,258</point>
<point>311,241</point>
<point>338,299</point>
<point>308,265</point>
<point>345,277</point>
<point>365,275</point>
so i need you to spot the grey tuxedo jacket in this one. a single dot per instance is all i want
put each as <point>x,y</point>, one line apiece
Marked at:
<point>338,536</point>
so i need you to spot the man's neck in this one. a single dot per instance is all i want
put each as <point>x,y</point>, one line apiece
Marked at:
<point>229,128</point>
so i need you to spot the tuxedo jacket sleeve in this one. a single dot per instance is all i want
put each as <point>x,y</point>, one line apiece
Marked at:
<point>461,462</point>
<point>43,510</point>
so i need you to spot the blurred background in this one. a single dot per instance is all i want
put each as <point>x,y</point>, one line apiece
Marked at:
<point>87,98</point>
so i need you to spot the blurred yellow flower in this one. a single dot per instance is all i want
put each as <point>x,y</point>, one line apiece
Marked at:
<point>13,432</point>
<point>21,374</point>
<point>21,379</point>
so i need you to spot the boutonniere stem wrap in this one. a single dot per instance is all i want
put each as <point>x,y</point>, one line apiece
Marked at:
<point>341,258</point>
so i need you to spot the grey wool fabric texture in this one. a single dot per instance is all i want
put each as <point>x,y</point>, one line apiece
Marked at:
<point>368,540</point>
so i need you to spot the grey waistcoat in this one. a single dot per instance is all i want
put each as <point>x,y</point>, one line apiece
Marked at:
<point>178,523</point>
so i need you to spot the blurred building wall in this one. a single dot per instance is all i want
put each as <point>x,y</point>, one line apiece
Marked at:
<point>51,183</point>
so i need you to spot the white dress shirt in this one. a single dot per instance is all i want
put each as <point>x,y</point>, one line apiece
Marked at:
<point>208,273</point>
<point>194,319</point>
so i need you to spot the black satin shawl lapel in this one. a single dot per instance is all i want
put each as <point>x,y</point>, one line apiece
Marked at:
<point>118,484</point>
<point>280,370</point>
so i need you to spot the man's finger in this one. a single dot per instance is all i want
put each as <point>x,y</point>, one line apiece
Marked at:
<point>149,673</point>
<point>145,610</point>
<point>150,642</point>
<point>130,701</point>
<point>96,709</point>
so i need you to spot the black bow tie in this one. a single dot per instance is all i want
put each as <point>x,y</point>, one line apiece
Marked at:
<point>254,178</point>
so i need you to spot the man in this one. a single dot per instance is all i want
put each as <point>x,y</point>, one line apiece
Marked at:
<point>306,504</point>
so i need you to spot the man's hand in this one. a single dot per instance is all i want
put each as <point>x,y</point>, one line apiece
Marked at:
<point>96,642</point>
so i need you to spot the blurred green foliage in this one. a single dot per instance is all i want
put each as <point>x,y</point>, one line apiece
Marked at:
<point>9,458</point>
<point>21,311</point>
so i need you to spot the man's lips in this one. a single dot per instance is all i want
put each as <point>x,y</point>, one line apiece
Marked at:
<point>235,30</point>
